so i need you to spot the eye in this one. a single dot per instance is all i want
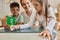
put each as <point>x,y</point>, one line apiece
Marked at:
<point>17,9</point>
<point>27,2</point>
<point>13,10</point>
<point>35,5</point>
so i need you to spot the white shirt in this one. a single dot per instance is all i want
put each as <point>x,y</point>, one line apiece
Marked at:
<point>52,22</point>
<point>41,19</point>
<point>32,18</point>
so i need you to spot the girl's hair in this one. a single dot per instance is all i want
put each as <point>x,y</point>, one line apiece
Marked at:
<point>21,1</point>
<point>46,10</point>
<point>41,2</point>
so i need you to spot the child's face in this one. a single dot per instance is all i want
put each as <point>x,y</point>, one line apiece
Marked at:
<point>24,4</point>
<point>15,11</point>
<point>37,5</point>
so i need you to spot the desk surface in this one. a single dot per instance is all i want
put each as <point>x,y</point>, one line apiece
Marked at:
<point>27,30</point>
<point>21,36</point>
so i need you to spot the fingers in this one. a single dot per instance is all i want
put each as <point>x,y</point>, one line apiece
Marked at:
<point>44,35</point>
<point>41,34</point>
<point>49,36</point>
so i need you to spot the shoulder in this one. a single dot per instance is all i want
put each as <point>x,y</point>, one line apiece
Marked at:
<point>21,16</point>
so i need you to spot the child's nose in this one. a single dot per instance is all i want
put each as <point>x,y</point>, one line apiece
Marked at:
<point>15,11</point>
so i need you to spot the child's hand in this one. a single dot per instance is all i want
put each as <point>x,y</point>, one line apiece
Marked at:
<point>6,26</point>
<point>14,27</point>
<point>46,33</point>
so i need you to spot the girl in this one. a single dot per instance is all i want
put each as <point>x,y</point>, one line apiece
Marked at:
<point>48,31</point>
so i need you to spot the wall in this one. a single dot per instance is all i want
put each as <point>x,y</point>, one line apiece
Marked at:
<point>54,3</point>
<point>4,8</point>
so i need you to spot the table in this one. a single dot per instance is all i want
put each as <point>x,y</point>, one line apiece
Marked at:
<point>27,30</point>
<point>1,29</point>
<point>21,36</point>
<point>33,30</point>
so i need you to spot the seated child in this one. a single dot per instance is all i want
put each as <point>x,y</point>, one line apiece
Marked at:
<point>15,8</point>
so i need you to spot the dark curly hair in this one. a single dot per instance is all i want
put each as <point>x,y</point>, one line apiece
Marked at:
<point>14,4</point>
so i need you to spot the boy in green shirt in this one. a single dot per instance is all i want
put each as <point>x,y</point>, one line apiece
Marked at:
<point>15,8</point>
<point>16,18</point>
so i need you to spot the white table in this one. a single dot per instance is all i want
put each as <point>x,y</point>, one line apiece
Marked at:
<point>21,36</point>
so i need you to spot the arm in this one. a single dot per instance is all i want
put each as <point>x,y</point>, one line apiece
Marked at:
<point>52,22</point>
<point>51,25</point>
<point>30,23</point>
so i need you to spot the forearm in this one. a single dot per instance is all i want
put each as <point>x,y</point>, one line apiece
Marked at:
<point>51,24</point>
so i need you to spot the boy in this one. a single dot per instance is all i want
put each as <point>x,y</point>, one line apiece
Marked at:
<point>15,8</point>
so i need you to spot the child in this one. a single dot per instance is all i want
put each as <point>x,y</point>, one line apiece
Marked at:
<point>15,8</point>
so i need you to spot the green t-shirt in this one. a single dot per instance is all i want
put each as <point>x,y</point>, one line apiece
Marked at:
<point>11,20</point>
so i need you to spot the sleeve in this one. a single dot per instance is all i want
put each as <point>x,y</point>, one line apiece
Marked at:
<point>44,23</point>
<point>22,19</point>
<point>52,22</point>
